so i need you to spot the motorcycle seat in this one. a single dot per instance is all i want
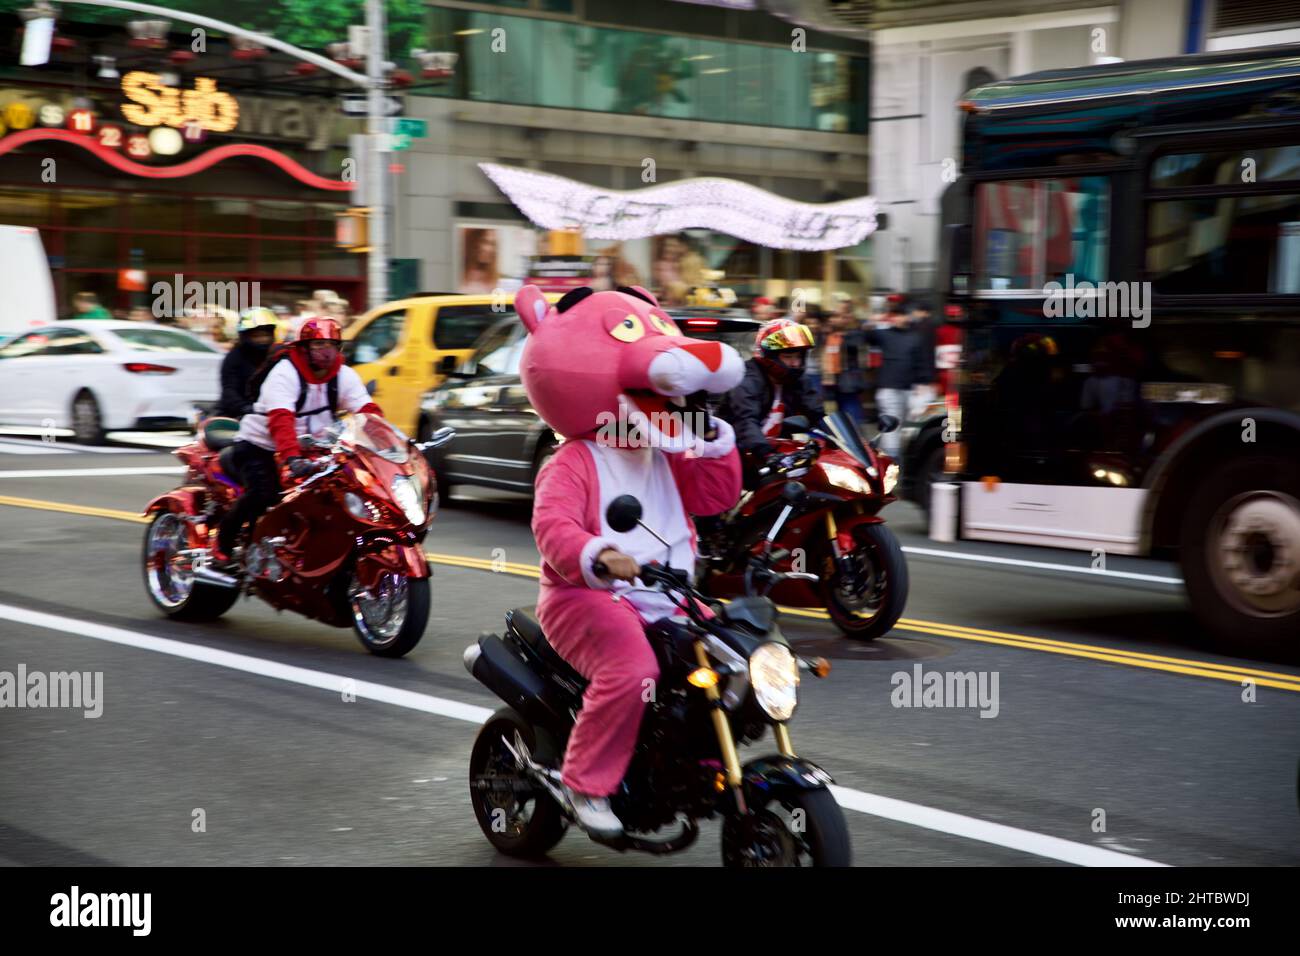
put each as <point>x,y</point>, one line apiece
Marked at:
<point>523,622</point>
<point>226,461</point>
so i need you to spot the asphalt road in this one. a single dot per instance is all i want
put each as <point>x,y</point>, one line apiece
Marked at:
<point>1110,710</point>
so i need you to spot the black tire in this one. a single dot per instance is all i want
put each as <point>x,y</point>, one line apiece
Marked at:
<point>87,422</point>
<point>1242,622</point>
<point>878,549</point>
<point>931,466</point>
<point>201,602</point>
<point>418,602</point>
<point>824,837</point>
<point>538,828</point>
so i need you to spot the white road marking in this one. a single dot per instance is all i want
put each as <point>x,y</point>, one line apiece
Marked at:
<point>39,448</point>
<point>1042,565</point>
<point>915,814</point>
<point>91,472</point>
<point>11,446</point>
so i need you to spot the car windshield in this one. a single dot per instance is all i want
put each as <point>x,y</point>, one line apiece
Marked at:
<point>161,340</point>
<point>376,435</point>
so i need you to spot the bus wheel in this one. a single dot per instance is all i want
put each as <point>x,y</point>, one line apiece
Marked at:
<point>1241,556</point>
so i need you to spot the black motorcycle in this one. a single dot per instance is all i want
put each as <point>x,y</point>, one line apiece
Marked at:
<point>724,680</point>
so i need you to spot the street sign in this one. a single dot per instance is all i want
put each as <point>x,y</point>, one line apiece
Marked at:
<point>358,104</point>
<point>411,128</point>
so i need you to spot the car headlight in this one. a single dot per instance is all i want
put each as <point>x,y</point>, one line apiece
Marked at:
<point>891,478</point>
<point>774,674</point>
<point>408,498</point>
<point>847,478</point>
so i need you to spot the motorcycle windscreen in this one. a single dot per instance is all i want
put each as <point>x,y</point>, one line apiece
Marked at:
<point>840,427</point>
<point>376,435</point>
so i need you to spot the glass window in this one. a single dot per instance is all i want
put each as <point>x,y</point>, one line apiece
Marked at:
<point>223,215</point>
<point>161,340</point>
<point>91,250</point>
<point>33,343</point>
<point>25,207</point>
<point>286,218</point>
<point>158,253</point>
<point>1224,167</point>
<point>1244,244</point>
<point>282,257</point>
<point>380,336</point>
<point>72,342</point>
<point>1030,232</point>
<point>500,352</point>
<point>459,326</point>
<point>165,212</point>
<point>89,210</point>
<point>223,254</point>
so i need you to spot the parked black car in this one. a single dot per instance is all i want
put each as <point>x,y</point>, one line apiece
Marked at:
<point>500,441</point>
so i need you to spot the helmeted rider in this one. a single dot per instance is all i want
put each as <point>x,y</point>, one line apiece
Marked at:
<point>301,389</point>
<point>256,328</point>
<point>773,389</point>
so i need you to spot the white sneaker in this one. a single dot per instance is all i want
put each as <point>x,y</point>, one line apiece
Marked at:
<point>594,814</point>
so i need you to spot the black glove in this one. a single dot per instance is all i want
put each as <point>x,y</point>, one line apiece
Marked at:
<point>300,467</point>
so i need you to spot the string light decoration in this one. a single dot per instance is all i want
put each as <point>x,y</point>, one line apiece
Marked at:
<point>724,205</point>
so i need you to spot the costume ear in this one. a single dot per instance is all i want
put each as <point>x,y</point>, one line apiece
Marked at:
<point>531,305</point>
<point>640,293</point>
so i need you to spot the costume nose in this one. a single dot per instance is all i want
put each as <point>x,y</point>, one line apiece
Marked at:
<point>710,353</point>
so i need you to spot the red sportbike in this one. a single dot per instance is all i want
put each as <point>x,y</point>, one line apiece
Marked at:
<point>810,534</point>
<point>343,546</point>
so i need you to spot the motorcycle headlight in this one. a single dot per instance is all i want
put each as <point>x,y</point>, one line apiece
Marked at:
<point>847,478</point>
<point>362,509</point>
<point>408,498</point>
<point>891,478</point>
<point>774,674</point>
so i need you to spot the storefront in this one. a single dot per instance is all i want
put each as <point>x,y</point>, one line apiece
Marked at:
<point>184,179</point>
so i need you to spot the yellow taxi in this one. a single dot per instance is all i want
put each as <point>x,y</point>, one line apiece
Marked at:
<point>409,346</point>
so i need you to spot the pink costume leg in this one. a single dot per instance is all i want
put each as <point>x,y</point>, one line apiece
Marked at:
<point>604,641</point>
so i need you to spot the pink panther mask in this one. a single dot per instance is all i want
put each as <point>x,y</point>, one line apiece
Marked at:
<point>612,352</point>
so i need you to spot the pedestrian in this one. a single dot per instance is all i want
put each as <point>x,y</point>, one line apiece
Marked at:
<point>907,360</point>
<point>86,306</point>
<point>844,362</point>
<point>762,309</point>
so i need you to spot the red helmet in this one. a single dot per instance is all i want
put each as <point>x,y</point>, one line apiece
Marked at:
<point>319,327</point>
<point>781,335</point>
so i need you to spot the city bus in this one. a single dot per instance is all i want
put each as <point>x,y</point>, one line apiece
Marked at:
<point>1122,254</point>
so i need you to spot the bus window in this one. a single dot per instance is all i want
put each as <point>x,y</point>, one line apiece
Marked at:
<point>1226,167</point>
<point>1228,245</point>
<point>1030,232</point>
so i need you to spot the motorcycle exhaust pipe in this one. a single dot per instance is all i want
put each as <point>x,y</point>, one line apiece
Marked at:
<point>503,673</point>
<point>216,578</point>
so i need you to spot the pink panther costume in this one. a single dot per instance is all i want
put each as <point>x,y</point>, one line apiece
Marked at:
<point>588,364</point>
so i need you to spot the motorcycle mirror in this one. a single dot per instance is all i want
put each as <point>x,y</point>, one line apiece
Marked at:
<point>888,423</point>
<point>623,513</point>
<point>795,423</point>
<point>371,386</point>
<point>793,492</point>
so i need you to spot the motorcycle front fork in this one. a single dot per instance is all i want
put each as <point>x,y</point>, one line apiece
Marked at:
<point>727,743</point>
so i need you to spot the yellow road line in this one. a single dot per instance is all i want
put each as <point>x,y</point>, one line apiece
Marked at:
<point>1157,662</point>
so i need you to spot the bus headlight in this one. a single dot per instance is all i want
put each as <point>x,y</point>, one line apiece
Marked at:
<point>774,674</point>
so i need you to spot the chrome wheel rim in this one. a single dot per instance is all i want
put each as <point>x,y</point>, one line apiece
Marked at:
<point>169,573</point>
<point>380,614</point>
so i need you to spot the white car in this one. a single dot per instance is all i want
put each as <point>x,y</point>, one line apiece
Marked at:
<point>96,376</point>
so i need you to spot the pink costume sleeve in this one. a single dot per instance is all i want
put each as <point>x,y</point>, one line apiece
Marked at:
<point>567,535</point>
<point>708,476</point>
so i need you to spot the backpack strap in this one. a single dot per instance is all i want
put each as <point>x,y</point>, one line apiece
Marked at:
<point>331,392</point>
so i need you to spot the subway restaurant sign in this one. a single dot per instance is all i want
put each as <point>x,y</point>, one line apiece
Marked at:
<point>152,103</point>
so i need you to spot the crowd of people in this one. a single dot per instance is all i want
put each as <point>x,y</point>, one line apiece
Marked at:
<point>216,324</point>
<point>869,361</point>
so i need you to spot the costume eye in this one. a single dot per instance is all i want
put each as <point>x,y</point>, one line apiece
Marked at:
<point>629,329</point>
<point>664,324</point>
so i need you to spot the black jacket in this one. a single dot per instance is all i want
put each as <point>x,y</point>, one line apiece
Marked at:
<point>906,356</point>
<point>236,369</point>
<point>749,403</point>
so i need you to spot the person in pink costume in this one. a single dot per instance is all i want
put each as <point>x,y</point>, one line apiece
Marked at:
<point>610,372</point>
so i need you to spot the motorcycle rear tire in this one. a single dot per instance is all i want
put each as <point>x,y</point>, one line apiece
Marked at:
<point>204,602</point>
<point>547,825</point>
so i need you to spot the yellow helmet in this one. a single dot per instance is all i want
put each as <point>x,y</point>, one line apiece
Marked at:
<point>257,318</point>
